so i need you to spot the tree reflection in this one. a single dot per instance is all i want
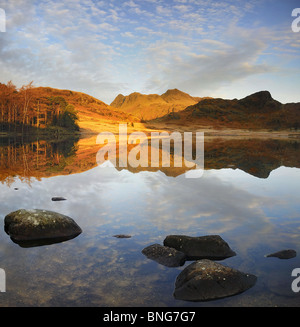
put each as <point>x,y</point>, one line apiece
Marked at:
<point>35,159</point>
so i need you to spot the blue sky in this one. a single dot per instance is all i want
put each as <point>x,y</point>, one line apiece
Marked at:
<point>224,48</point>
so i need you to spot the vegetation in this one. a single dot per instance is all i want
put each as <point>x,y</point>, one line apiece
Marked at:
<point>23,110</point>
<point>256,111</point>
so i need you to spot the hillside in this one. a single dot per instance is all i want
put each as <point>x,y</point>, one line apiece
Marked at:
<point>256,111</point>
<point>151,106</point>
<point>90,110</point>
<point>31,110</point>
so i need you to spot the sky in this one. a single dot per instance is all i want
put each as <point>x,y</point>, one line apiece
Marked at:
<point>226,48</point>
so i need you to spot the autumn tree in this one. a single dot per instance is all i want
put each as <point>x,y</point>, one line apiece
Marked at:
<point>26,96</point>
<point>63,114</point>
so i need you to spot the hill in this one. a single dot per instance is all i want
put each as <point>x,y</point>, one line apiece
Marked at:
<point>256,111</point>
<point>151,106</point>
<point>90,110</point>
<point>31,110</point>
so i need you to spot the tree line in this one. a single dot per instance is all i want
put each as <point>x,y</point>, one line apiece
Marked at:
<point>22,108</point>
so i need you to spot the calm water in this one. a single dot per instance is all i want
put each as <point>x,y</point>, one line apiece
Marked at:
<point>248,194</point>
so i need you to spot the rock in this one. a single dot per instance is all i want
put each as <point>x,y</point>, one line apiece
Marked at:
<point>122,236</point>
<point>58,198</point>
<point>202,247</point>
<point>164,255</point>
<point>206,280</point>
<point>39,227</point>
<point>283,254</point>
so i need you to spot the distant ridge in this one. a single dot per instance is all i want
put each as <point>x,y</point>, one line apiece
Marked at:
<point>151,106</point>
<point>256,111</point>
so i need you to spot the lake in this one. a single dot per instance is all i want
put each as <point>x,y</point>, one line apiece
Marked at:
<point>248,194</point>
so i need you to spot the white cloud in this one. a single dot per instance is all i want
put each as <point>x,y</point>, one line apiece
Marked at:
<point>97,47</point>
<point>127,34</point>
<point>164,11</point>
<point>130,3</point>
<point>212,65</point>
<point>182,8</point>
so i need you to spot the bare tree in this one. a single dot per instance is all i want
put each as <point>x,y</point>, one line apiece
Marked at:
<point>26,93</point>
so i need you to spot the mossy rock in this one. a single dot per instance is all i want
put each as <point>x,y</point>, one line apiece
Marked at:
<point>39,227</point>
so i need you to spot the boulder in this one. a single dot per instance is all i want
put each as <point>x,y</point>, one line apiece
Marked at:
<point>164,255</point>
<point>58,198</point>
<point>283,254</point>
<point>39,227</point>
<point>206,280</point>
<point>122,236</point>
<point>203,247</point>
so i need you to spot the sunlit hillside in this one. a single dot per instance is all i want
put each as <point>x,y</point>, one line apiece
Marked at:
<point>151,106</point>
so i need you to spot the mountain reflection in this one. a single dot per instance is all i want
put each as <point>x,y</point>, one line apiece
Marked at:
<point>40,158</point>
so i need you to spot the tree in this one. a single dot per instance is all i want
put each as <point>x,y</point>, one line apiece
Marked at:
<point>12,103</point>
<point>68,118</point>
<point>26,94</point>
<point>63,114</point>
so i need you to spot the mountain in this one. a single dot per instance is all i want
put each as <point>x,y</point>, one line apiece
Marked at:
<point>175,96</point>
<point>151,106</point>
<point>256,111</point>
<point>43,159</point>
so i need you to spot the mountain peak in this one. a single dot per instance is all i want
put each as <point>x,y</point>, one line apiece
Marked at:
<point>261,100</point>
<point>261,96</point>
<point>177,96</point>
<point>150,106</point>
<point>118,101</point>
<point>173,91</point>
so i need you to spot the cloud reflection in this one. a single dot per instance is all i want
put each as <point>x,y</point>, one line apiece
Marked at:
<point>149,206</point>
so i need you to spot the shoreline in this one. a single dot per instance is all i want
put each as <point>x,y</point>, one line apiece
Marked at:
<point>209,132</point>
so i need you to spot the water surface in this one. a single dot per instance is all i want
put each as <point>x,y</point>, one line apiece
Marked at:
<point>248,194</point>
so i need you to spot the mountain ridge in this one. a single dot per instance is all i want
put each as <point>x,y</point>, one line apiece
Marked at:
<point>256,111</point>
<point>150,106</point>
<point>172,109</point>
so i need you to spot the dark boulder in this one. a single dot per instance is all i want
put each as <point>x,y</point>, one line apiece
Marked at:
<point>58,198</point>
<point>202,247</point>
<point>283,254</point>
<point>206,280</point>
<point>164,255</point>
<point>39,227</point>
<point>122,236</point>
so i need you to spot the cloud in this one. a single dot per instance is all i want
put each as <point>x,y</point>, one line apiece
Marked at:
<point>211,64</point>
<point>127,34</point>
<point>100,48</point>
<point>130,3</point>
<point>164,11</point>
<point>182,8</point>
<point>63,46</point>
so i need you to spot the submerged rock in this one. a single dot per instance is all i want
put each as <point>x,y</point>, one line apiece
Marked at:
<point>283,254</point>
<point>39,227</point>
<point>202,247</point>
<point>58,198</point>
<point>206,280</point>
<point>164,255</point>
<point>122,236</point>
